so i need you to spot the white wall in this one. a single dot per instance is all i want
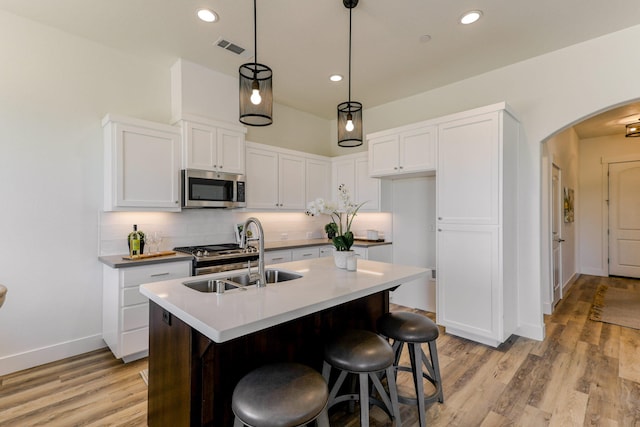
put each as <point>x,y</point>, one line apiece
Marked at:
<point>592,209</point>
<point>54,90</point>
<point>561,150</point>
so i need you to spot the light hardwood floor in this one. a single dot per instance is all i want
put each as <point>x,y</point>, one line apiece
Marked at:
<point>584,373</point>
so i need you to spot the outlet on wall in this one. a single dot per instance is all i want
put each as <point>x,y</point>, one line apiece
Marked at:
<point>309,235</point>
<point>284,236</point>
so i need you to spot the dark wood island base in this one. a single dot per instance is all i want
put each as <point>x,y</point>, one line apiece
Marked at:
<point>191,378</point>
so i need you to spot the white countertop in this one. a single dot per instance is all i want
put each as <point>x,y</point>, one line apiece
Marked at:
<point>222,317</point>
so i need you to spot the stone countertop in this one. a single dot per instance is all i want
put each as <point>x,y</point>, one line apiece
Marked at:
<point>235,313</point>
<point>117,261</point>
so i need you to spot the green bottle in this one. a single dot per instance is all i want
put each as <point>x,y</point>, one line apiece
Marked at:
<point>135,242</point>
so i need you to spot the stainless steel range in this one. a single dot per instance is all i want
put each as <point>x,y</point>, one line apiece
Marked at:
<point>220,257</point>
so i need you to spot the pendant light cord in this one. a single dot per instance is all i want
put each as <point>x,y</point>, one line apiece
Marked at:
<point>350,9</point>
<point>255,38</point>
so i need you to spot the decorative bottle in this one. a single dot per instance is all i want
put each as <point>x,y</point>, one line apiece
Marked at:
<point>135,240</point>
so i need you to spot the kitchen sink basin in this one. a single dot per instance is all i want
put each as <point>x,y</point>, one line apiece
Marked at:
<point>211,285</point>
<point>240,281</point>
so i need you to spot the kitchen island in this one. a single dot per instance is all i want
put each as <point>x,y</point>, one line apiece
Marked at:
<point>201,344</point>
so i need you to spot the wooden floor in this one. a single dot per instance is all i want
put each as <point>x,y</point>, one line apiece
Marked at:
<point>584,373</point>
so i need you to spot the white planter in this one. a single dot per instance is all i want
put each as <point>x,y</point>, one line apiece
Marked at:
<point>340,258</point>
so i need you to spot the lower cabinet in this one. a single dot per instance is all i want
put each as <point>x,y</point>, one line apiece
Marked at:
<point>277,257</point>
<point>471,292</point>
<point>382,253</point>
<point>125,311</point>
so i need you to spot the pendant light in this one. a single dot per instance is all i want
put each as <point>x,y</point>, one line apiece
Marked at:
<point>350,112</point>
<point>633,130</point>
<point>256,95</point>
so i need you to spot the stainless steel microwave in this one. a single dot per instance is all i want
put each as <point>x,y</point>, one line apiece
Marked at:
<point>207,189</point>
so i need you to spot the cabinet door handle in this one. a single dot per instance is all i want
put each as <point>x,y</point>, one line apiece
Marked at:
<point>159,274</point>
<point>401,167</point>
<point>395,168</point>
<point>215,166</point>
<point>277,259</point>
<point>307,254</point>
<point>439,229</point>
<point>439,218</point>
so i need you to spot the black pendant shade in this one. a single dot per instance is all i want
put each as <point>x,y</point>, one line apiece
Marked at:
<point>256,92</point>
<point>350,112</point>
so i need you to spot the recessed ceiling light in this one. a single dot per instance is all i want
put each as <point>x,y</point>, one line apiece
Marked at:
<point>470,17</point>
<point>335,77</point>
<point>207,15</point>
<point>425,38</point>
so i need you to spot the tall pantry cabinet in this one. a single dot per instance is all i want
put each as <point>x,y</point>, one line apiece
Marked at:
<point>476,223</point>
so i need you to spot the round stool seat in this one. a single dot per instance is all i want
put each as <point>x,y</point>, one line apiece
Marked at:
<point>407,327</point>
<point>359,351</point>
<point>280,395</point>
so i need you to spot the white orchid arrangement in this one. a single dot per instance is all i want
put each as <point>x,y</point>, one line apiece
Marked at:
<point>342,214</point>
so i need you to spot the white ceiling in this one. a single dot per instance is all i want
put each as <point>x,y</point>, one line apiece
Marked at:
<point>304,41</point>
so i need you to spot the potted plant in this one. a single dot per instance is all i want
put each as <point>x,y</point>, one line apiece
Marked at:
<point>342,214</point>
<point>331,229</point>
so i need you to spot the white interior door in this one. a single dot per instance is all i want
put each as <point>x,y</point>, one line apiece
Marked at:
<point>624,219</point>
<point>556,233</point>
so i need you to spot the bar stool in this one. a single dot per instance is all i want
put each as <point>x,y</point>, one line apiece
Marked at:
<point>281,395</point>
<point>415,329</point>
<point>365,354</point>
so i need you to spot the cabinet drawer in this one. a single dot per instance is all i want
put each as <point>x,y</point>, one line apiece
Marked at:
<point>132,296</point>
<point>276,257</point>
<point>325,251</point>
<point>135,317</point>
<point>134,276</point>
<point>304,253</point>
<point>135,341</point>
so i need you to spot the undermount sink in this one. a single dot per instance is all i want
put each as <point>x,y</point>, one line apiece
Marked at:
<point>272,275</point>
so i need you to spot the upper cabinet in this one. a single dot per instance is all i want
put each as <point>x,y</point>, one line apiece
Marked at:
<point>142,165</point>
<point>318,179</point>
<point>213,146</point>
<point>403,152</point>
<point>352,170</point>
<point>275,178</point>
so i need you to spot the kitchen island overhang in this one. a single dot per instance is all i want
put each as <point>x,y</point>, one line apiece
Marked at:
<point>233,314</point>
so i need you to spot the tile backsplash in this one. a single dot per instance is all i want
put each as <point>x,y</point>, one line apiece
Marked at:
<point>203,226</point>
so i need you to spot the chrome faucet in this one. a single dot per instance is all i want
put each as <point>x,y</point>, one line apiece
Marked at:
<point>262,280</point>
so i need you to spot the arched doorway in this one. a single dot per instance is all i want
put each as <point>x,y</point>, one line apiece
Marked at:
<point>584,150</point>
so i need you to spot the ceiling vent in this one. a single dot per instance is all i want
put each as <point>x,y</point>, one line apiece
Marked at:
<point>232,47</point>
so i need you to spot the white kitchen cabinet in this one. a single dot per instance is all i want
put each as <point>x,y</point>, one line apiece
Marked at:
<point>476,222</point>
<point>318,179</point>
<point>324,251</point>
<point>308,252</point>
<point>213,146</point>
<point>275,180</point>
<point>142,165</point>
<point>125,311</point>
<point>352,170</point>
<point>277,257</point>
<point>403,152</point>
<point>382,253</point>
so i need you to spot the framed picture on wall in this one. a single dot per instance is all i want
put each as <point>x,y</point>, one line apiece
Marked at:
<point>568,204</point>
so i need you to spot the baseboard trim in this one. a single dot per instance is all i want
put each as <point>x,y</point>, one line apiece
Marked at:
<point>569,283</point>
<point>39,356</point>
<point>535,332</point>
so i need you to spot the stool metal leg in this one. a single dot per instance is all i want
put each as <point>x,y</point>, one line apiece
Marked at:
<point>363,378</point>
<point>323,418</point>
<point>393,391</point>
<point>435,369</point>
<point>415,354</point>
